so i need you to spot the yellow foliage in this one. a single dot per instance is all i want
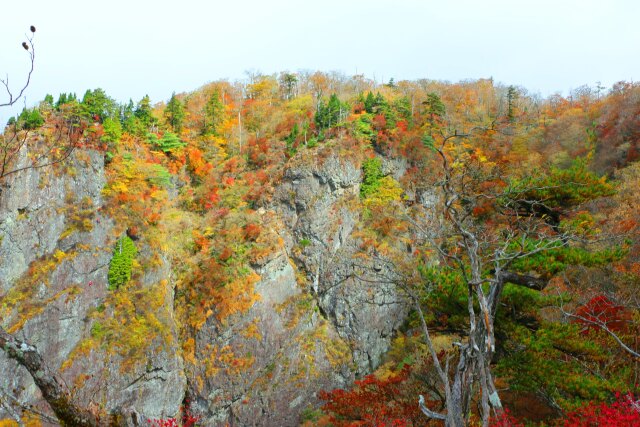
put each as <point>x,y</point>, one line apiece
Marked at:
<point>132,322</point>
<point>20,303</point>
<point>252,331</point>
<point>29,419</point>
<point>389,191</point>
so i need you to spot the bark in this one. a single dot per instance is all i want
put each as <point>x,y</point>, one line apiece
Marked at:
<point>51,386</point>
<point>531,282</point>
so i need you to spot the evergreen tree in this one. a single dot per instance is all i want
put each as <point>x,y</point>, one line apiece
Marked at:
<point>62,99</point>
<point>30,119</point>
<point>174,113</point>
<point>168,143</point>
<point>213,114</point>
<point>48,100</point>
<point>330,114</point>
<point>143,110</point>
<point>512,96</point>
<point>434,108</point>
<point>127,117</point>
<point>112,130</point>
<point>291,139</point>
<point>369,103</point>
<point>96,104</point>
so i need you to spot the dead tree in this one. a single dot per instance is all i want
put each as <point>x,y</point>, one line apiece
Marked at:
<point>486,257</point>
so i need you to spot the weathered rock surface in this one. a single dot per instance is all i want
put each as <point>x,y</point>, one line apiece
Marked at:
<point>55,248</point>
<point>317,325</point>
<point>319,205</point>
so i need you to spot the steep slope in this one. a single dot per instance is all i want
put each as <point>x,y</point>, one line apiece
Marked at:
<point>312,326</point>
<point>55,249</point>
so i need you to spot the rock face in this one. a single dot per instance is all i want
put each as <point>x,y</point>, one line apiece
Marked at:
<point>319,205</point>
<point>323,318</point>
<point>55,248</point>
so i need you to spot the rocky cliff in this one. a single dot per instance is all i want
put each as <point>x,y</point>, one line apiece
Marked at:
<point>314,324</point>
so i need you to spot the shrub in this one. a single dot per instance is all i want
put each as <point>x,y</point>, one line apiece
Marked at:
<point>120,266</point>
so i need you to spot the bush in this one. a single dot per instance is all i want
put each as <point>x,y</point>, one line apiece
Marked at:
<point>372,174</point>
<point>120,266</point>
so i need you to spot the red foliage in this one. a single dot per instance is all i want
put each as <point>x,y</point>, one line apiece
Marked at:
<point>188,420</point>
<point>624,412</point>
<point>225,254</point>
<point>252,231</point>
<point>379,122</point>
<point>601,310</point>
<point>505,420</point>
<point>374,402</point>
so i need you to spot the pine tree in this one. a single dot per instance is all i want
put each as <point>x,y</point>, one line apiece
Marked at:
<point>512,96</point>
<point>213,114</point>
<point>174,113</point>
<point>369,103</point>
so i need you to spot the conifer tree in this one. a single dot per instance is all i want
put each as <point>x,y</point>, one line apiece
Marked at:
<point>174,113</point>
<point>213,114</point>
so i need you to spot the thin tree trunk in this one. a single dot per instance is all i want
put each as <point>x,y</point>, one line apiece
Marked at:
<point>50,385</point>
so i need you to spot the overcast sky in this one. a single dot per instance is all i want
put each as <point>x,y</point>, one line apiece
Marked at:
<point>135,47</point>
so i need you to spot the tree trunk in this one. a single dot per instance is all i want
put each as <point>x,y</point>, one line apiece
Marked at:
<point>50,385</point>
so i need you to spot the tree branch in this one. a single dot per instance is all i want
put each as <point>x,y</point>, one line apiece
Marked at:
<point>50,385</point>
<point>531,282</point>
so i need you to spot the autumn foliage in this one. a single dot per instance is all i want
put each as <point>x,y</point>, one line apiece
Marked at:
<point>623,412</point>
<point>375,402</point>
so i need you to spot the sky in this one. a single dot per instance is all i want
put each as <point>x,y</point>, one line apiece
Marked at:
<point>131,48</point>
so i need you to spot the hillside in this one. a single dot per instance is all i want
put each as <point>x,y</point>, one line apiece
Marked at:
<point>236,254</point>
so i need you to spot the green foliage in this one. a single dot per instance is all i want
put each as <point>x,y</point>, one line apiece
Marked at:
<point>562,188</point>
<point>30,119</point>
<point>372,176</point>
<point>388,190</point>
<point>174,113</point>
<point>112,130</point>
<point>377,189</point>
<point>98,331</point>
<point>290,139</point>
<point>378,105</point>
<point>304,242</point>
<point>159,175</point>
<point>168,143</point>
<point>445,293</point>
<point>560,364</point>
<point>369,103</point>
<point>96,103</point>
<point>213,114</point>
<point>48,100</point>
<point>124,253</point>
<point>512,96</point>
<point>363,129</point>
<point>557,257</point>
<point>65,98</point>
<point>402,106</point>
<point>331,114</point>
<point>434,107</point>
<point>310,414</point>
<point>137,119</point>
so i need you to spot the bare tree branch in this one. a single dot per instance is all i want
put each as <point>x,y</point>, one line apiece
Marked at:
<point>29,47</point>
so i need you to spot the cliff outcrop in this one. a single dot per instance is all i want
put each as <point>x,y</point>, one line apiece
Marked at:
<point>314,324</point>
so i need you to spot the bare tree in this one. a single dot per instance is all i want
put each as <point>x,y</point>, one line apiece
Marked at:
<point>48,151</point>
<point>28,46</point>
<point>523,225</point>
